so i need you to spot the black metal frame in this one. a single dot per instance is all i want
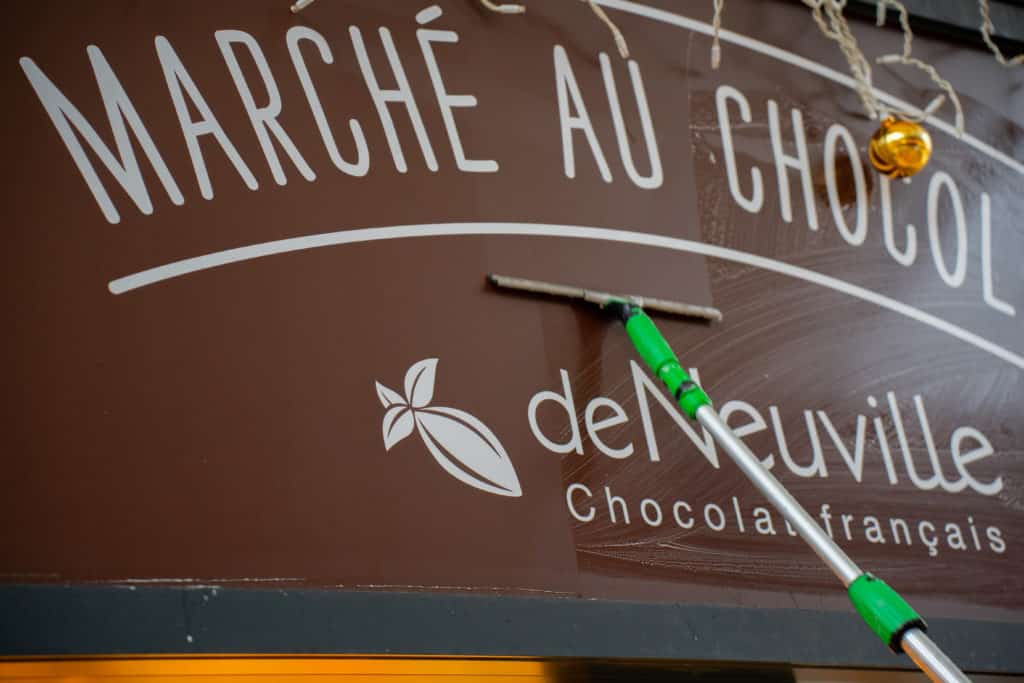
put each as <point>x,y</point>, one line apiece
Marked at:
<point>57,620</point>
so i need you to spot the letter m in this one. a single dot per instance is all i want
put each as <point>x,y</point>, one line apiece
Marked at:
<point>125,169</point>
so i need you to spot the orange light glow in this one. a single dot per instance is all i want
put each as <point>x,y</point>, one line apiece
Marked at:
<point>277,669</point>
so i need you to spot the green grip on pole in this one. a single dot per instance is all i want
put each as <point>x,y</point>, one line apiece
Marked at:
<point>884,610</point>
<point>662,361</point>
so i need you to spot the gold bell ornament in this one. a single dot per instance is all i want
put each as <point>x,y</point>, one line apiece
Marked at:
<point>899,148</point>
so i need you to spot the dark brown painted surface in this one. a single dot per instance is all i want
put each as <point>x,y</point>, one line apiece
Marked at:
<point>222,427</point>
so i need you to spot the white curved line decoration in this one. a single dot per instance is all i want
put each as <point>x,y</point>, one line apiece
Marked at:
<point>328,239</point>
<point>213,260</point>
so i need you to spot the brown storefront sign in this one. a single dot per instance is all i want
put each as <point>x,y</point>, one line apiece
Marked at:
<point>249,340</point>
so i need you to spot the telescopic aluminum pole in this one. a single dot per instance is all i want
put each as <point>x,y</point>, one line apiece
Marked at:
<point>893,620</point>
<point>925,653</point>
<point>888,614</point>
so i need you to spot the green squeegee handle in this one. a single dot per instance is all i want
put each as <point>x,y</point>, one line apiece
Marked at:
<point>891,618</point>
<point>883,610</point>
<point>660,358</point>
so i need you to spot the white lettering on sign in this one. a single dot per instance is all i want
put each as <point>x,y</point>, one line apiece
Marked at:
<point>986,259</point>
<point>565,400</point>
<point>950,252</point>
<point>908,254</point>
<point>567,88</point>
<point>571,99</point>
<point>967,444</point>
<point>785,162</point>
<point>643,385</point>
<point>732,516</point>
<point>263,117</point>
<point>956,255</point>
<point>855,463</point>
<point>816,467</point>
<point>569,496</point>
<point>445,101</point>
<point>402,94</point>
<point>67,119</point>
<point>838,133</point>
<point>362,163</point>
<point>955,277</point>
<point>618,417</point>
<point>755,425</point>
<point>655,179</point>
<point>755,201</point>
<point>179,84</point>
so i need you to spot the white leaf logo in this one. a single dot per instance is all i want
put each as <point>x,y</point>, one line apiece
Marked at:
<point>460,443</point>
<point>398,424</point>
<point>387,397</point>
<point>419,383</point>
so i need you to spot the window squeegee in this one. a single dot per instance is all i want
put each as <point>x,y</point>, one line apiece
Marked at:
<point>892,619</point>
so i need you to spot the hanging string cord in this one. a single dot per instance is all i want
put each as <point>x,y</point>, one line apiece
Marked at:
<point>512,8</point>
<point>986,34</point>
<point>828,15</point>
<point>907,59</point>
<point>716,28</point>
<point>620,41</point>
<point>503,9</point>
<point>300,5</point>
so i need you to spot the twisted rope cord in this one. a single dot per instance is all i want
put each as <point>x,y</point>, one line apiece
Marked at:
<point>620,41</point>
<point>503,9</point>
<point>716,28</point>
<point>986,34</point>
<point>839,31</point>
<point>906,59</point>
<point>828,15</point>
